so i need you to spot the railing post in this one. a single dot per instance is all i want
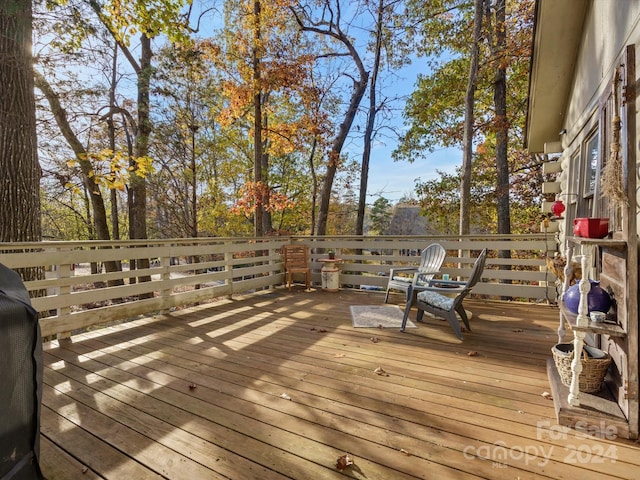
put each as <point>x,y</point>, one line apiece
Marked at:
<point>63,271</point>
<point>228,267</point>
<point>165,292</point>
<point>273,251</point>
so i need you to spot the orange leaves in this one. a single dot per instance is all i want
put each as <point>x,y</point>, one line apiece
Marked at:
<point>253,194</point>
<point>344,461</point>
<point>264,57</point>
<point>240,100</point>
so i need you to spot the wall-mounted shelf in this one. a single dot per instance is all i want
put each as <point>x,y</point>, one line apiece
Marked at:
<point>607,327</point>
<point>609,242</point>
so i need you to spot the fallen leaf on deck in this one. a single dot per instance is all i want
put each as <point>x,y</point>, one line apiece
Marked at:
<point>518,330</point>
<point>547,395</point>
<point>374,339</point>
<point>472,353</point>
<point>402,450</point>
<point>339,355</point>
<point>85,469</point>
<point>344,461</point>
<point>322,330</point>
<point>193,386</point>
<point>285,396</point>
<point>380,371</point>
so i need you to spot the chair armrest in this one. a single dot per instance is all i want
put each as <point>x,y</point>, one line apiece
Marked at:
<point>402,269</point>
<point>445,282</point>
<point>445,286</point>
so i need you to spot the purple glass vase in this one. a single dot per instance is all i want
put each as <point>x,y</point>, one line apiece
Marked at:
<point>598,300</point>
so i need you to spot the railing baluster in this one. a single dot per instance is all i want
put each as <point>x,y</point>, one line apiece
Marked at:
<point>118,300</point>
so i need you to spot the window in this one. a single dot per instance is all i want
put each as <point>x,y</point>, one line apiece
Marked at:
<point>574,175</point>
<point>571,197</point>
<point>591,156</point>
<point>591,151</point>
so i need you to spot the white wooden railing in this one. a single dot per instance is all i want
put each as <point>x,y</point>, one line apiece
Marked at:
<point>188,271</point>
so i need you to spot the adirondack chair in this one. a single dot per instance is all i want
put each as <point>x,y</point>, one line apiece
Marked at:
<point>432,299</point>
<point>431,260</point>
<point>296,260</point>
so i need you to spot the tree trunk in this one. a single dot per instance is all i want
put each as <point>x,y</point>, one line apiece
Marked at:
<point>267,221</point>
<point>334,31</point>
<point>314,178</point>
<point>138,184</point>
<point>115,224</point>
<point>371,117</point>
<point>97,202</point>
<point>257,124</point>
<point>502,130</point>
<point>137,193</point>
<point>194,184</point>
<point>100,220</point>
<point>502,123</point>
<point>360,87</point>
<point>19,167</point>
<point>469,108</point>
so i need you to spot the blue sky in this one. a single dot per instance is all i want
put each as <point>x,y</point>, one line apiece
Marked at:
<point>394,180</point>
<point>397,179</point>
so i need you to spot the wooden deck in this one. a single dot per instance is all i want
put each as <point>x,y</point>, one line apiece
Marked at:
<point>279,385</point>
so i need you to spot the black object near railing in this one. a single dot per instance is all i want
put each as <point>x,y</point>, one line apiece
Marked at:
<point>20,381</point>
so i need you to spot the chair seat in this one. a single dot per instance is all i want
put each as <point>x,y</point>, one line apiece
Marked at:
<point>408,281</point>
<point>436,299</point>
<point>398,278</point>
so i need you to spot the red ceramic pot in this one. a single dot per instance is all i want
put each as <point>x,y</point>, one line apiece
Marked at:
<point>591,227</point>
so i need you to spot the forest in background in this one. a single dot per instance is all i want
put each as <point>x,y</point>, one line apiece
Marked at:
<point>169,119</point>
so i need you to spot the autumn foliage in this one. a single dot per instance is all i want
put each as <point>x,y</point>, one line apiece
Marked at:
<point>252,195</point>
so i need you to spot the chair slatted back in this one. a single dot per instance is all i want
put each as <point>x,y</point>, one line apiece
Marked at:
<point>432,258</point>
<point>478,268</point>
<point>296,257</point>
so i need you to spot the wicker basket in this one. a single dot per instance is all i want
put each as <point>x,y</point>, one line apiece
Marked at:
<point>595,364</point>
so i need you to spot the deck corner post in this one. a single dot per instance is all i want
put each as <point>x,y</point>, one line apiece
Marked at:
<point>228,267</point>
<point>64,289</point>
<point>165,290</point>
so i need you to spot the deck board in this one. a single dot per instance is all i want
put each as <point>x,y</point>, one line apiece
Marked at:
<point>198,393</point>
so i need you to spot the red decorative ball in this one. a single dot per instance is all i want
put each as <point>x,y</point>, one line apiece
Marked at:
<point>557,208</point>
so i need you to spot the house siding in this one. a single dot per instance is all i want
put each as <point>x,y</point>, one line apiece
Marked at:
<point>607,31</point>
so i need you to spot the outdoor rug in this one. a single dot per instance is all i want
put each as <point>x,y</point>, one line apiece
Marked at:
<point>378,316</point>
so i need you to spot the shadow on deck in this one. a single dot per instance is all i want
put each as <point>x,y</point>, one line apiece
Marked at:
<point>279,385</point>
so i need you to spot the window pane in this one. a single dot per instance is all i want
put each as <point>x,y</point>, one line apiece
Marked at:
<point>591,165</point>
<point>574,175</point>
